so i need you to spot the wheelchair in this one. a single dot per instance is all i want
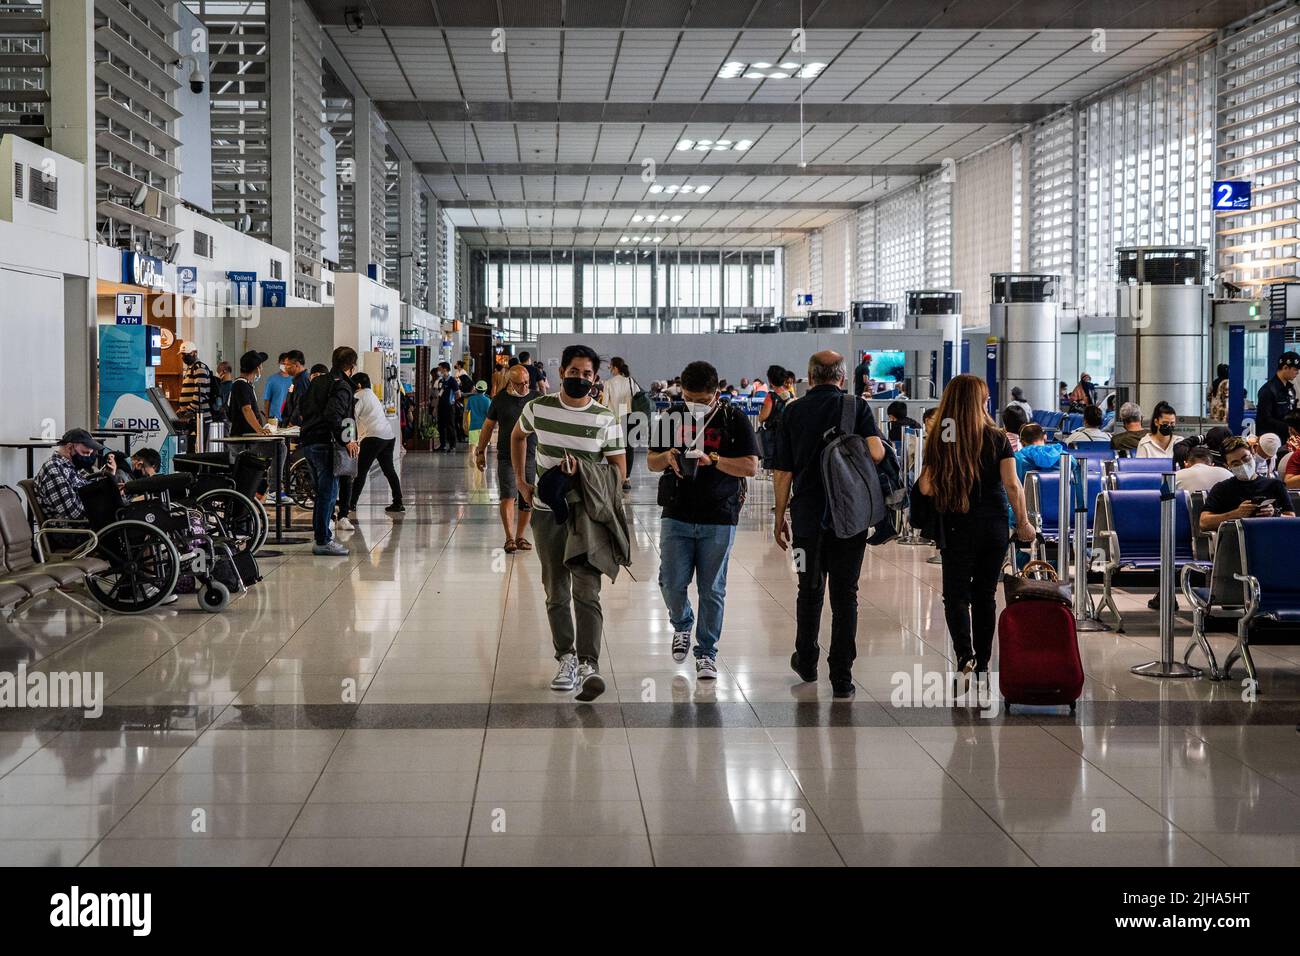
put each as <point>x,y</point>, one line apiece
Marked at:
<point>227,494</point>
<point>153,540</point>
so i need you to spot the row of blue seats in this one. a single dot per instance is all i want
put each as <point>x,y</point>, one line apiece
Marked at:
<point>1065,421</point>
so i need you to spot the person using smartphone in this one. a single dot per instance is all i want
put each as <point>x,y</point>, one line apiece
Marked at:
<point>1245,494</point>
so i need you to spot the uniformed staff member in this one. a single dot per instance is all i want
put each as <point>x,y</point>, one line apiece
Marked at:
<point>1277,398</point>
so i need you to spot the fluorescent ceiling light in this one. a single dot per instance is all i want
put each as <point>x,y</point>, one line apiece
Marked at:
<point>765,71</point>
<point>685,144</point>
<point>656,188</point>
<point>743,144</point>
<point>677,218</point>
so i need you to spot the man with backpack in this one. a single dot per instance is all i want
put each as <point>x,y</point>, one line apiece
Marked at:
<point>824,473</point>
<point>705,449</point>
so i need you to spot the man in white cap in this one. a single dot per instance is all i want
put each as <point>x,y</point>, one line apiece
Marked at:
<point>196,386</point>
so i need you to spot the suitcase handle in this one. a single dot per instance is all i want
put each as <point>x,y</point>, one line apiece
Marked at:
<point>1035,567</point>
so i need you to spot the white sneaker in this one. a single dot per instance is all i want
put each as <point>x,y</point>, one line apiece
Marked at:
<point>706,668</point>
<point>591,684</point>
<point>566,678</point>
<point>681,645</point>
<point>343,524</point>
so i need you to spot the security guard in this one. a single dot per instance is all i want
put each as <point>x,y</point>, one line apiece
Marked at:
<point>1277,398</point>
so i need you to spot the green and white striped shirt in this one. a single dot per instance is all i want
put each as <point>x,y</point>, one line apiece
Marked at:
<point>592,433</point>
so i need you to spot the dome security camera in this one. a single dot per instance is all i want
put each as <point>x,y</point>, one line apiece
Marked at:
<point>197,79</point>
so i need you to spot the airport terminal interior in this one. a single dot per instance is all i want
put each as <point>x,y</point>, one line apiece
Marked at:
<point>261,256</point>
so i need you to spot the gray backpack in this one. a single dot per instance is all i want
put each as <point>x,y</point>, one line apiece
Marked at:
<point>854,500</point>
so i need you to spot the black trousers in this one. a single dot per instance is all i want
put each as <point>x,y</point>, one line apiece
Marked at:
<point>972,566</point>
<point>818,558</point>
<point>446,426</point>
<point>628,449</point>
<point>376,450</point>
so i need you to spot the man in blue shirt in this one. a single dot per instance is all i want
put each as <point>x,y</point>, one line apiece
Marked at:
<point>276,390</point>
<point>295,363</point>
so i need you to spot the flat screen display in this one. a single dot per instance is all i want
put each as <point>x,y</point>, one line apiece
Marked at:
<point>886,364</point>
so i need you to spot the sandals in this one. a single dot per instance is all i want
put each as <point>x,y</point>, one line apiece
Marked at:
<point>523,544</point>
<point>509,546</point>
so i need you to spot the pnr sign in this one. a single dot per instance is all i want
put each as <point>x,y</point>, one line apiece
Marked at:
<point>1233,194</point>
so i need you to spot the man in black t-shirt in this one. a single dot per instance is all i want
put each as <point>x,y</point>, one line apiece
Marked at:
<point>818,553</point>
<point>705,449</point>
<point>1243,495</point>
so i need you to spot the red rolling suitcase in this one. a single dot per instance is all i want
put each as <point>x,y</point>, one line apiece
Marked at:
<point>1038,648</point>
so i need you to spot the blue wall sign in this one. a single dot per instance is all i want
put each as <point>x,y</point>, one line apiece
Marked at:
<point>273,294</point>
<point>139,269</point>
<point>187,279</point>
<point>1231,194</point>
<point>242,287</point>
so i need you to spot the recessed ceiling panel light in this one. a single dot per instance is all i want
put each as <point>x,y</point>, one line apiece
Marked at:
<point>637,218</point>
<point>789,66</point>
<point>677,218</point>
<point>702,189</point>
<point>744,144</point>
<point>809,70</point>
<point>685,144</point>
<point>761,66</point>
<point>755,75</point>
<point>656,188</point>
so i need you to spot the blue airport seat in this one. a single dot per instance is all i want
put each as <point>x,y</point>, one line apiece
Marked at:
<point>1127,531</point>
<point>1150,465</point>
<point>1072,422</point>
<point>1107,420</point>
<point>1043,498</point>
<point>1247,581</point>
<point>1137,481</point>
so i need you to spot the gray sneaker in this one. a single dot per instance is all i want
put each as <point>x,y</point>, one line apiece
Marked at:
<point>591,685</point>
<point>566,678</point>
<point>333,550</point>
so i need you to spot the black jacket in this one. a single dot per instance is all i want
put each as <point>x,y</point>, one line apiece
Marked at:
<point>1275,401</point>
<point>325,408</point>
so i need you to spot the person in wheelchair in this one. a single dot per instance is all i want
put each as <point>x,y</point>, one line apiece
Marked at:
<point>145,463</point>
<point>1244,495</point>
<point>73,464</point>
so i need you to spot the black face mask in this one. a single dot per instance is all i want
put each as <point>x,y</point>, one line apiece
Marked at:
<point>1166,430</point>
<point>189,358</point>
<point>85,462</point>
<point>576,387</point>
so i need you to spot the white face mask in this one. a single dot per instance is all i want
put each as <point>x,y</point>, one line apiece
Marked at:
<point>698,409</point>
<point>1245,471</point>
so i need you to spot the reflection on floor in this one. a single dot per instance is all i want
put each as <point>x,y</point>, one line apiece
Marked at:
<point>392,708</point>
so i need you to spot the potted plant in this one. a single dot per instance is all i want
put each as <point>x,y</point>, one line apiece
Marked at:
<point>426,431</point>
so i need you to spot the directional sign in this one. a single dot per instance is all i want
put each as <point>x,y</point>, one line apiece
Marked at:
<point>130,308</point>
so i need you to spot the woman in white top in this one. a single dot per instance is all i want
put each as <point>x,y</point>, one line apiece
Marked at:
<point>378,441</point>
<point>618,399</point>
<point>1159,441</point>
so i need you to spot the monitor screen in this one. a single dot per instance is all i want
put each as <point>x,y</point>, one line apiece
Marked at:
<point>886,364</point>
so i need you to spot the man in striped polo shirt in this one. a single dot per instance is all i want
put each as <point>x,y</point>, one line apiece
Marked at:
<point>569,425</point>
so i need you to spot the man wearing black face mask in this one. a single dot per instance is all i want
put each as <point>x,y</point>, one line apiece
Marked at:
<point>196,386</point>
<point>70,467</point>
<point>1159,442</point>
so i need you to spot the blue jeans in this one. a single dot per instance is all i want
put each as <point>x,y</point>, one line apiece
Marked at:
<point>700,551</point>
<point>321,457</point>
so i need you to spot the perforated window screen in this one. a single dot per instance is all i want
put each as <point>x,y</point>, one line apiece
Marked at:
<point>936,193</point>
<point>1051,197</point>
<point>900,245</point>
<point>1146,167</point>
<point>1258,113</point>
<point>865,285</point>
<point>815,269</point>
<point>984,212</point>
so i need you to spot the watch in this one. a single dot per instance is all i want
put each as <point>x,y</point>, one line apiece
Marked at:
<point>713,457</point>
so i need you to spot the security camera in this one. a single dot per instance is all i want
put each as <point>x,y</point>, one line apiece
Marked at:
<point>353,20</point>
<point>197,79</point>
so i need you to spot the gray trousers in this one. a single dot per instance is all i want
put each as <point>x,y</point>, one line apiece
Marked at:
<point>581,589</point>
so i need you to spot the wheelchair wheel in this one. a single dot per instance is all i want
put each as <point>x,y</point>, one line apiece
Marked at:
<point>214,597</point>
<point>144,567</point>
<point>240,516</point>
<point>301,483</point>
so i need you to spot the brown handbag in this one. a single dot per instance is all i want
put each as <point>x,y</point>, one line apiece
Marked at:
<point>1037,581</point>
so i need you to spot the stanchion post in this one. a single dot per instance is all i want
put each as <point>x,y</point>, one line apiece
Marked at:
<point>1063,520</point>
<point>1167,666</point>
<point>1082,620</point>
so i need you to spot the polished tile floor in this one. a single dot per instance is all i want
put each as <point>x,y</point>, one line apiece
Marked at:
<point>392,708</point>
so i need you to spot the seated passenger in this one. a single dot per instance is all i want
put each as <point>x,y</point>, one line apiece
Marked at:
<point>1200,473</point>
<point>1035,454</point>
<point>1130,428</point>
<point>1091,430</point>
<point>1244,495</point>
<point>70,466</point>
<point>1014,418</point>
<point>1265,447</point>
<point>898,420</point>
<point>1292,474</point>
<point>1159,441</point>
<point>145,463</point>
<point>1018,399</point>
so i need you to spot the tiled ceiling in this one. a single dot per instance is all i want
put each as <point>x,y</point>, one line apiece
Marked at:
<point>505,138</point>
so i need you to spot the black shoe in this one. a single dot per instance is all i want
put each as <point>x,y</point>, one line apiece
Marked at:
<point>395,509</point>
<point>807,676</point>
<point>843,690</point>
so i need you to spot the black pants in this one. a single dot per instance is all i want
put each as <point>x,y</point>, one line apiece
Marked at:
<point>376,450</point>
<point>628,450</point>
<point>972,565</point>
<point>343,502</point>
<point>823,556</point>
<point>446,426</point>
